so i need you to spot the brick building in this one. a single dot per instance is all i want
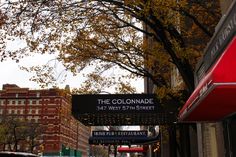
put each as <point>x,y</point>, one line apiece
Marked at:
<point>51,108</point>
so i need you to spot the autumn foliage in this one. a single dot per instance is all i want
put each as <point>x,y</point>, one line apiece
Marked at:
<point>145,38</point>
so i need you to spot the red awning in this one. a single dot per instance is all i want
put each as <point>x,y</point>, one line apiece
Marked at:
<point>215,96</point>
<point>132,149</point>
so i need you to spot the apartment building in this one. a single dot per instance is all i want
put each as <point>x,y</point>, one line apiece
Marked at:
<point>50,108</point>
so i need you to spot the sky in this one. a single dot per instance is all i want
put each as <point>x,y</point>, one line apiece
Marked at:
<point>11,74</point>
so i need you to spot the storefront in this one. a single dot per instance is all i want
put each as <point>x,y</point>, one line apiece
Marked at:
<point>214,96</point>
<point>213,102</point>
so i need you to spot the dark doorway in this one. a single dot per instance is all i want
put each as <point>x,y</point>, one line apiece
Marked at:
<point>230,136</point>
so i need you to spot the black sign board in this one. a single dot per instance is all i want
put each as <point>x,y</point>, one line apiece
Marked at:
<point>114,103</point>
<point>115,141</point>
<point>122,140</point>
<point>120,109</point>
<point>225,31</point>
<point>130,133</point>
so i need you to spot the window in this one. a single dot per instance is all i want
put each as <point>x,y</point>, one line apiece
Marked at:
<point>9,102</point>
<point>37,111</point>
<point>29,118</point>
<point>37,102</point>
<point>30,102</point>
<point>36,119</point>
<point>2,102</point>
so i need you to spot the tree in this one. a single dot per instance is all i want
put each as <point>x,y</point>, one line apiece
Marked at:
<point>110,34</point>
<point>34,133</point>
<point>99,151</point>
<point>13,133</point>
<point>16,132</point>
<point>106,34</point>
<point>2,18</point>
<point>3,133</point>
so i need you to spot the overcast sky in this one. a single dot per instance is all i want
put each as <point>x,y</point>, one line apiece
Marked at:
<point>11,74</point>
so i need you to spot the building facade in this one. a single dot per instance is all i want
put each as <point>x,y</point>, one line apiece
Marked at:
<point>62,134</point>
<point>216,133</point>
<point>216,139</point>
